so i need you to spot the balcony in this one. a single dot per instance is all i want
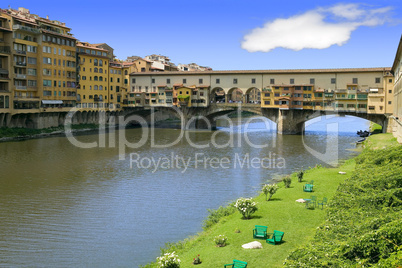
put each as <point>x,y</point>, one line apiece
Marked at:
<point>21,63</point>
<point>21,52</point>
<point>32,88</point>
<point>25,28</point>
<point>5,49</point>
<point>21,87</point>
<point>21,76</point>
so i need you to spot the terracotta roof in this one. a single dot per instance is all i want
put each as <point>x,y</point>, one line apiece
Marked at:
<point>178,85</point>
<point>292,71</point>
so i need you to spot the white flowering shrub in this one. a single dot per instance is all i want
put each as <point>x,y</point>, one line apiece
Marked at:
<point>246,206</point>
<point>269,189</point>
<point>168,260</point>
<point>220,240</point>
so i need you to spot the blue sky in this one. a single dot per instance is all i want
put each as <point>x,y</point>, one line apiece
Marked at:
<point>237,34</point>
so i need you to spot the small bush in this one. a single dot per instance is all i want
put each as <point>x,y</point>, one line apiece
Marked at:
<point>168,260</point>
<point>269,189</point>
<point>220,240</point>
<point>300,175</point>
<point>215,215</point>
<point>246,206</point>
<point>287,181</point>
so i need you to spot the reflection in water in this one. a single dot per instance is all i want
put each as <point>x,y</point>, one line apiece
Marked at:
<point>65,206</point>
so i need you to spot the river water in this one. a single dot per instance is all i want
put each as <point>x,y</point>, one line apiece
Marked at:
<point>115,206</point>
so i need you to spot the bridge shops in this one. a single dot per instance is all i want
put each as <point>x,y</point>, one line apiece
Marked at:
<point>361,90</point>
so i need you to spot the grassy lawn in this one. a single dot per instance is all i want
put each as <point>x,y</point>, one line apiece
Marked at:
<point>380,141</point>
<point>281,213</point>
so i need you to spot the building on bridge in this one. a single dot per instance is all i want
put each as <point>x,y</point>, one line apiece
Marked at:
<point>397,72</point>
<point>365,90</point>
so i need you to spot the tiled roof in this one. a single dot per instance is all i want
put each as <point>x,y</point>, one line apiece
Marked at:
<point>288,71</point>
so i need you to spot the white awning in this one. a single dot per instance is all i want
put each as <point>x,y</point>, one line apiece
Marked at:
<point>373,89</point>
<point>52,101</point>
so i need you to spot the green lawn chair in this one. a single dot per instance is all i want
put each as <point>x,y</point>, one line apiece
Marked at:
<point>260,231</point>
<point>277,237</point>
<point>314,200</point>
<point>237,264</point>
<point>308,188</point>
<point>323,202</point>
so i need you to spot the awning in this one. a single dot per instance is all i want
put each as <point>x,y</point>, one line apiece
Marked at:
<point>52,101</point>
<point>373,89</point>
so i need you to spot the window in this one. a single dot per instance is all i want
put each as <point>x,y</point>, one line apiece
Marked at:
<point>267,102</point>
<point>31,83</point>
<point>118,80</point>
<point>218,81</point>
<point>100,78</point>
<point>184,80</point>
<point>312,81</point>
<point>389,102</point>
<point>47,72</point>
<point>167,81</point>
<point>377,80</point>
<point>31,49</point>
<point>47,83</point>
<point>47,60</point>
<point>354,81</point>
<point>32,72</point>
<point>272,81</point>
<point>96,62</point>
<point>95,78</point>
<point>333,80</point>
<point>235,81</point>
<point>390,80</point>
<point>390,91</point>
<point>200,81</point>
<point>277,94</point>
<point>153,81</point>
<point>267,94</point>
<point>95,70</point>
<point>292,81</point>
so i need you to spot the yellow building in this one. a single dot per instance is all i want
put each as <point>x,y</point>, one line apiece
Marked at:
<point>93,89</point>
<point>37,64</point>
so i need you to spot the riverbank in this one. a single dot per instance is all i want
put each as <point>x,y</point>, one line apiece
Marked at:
<point>282,213</point>
<point>14,134</point>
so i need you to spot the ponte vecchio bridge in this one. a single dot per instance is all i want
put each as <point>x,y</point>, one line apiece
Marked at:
<point>287,97</point>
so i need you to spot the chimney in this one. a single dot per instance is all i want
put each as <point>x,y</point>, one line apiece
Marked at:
<point>47,17</point>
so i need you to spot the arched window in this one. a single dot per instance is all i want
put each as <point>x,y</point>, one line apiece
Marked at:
<point>95,70</point>
<point>125,72</point>
<point>100,78</point>
<point>95,78</point>
<point>100,70</point>
<point>101,63</point>
<point>100,87</point>
<point>100,98</point>
<point>96,87</point>
<point>95,62</point>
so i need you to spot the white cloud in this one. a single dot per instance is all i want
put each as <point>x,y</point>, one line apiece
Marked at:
<point>318,29</point>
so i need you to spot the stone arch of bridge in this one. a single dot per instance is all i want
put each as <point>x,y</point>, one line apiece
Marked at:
<point>235,94</point>
<point>218,95</point>
<point>252,95</point>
